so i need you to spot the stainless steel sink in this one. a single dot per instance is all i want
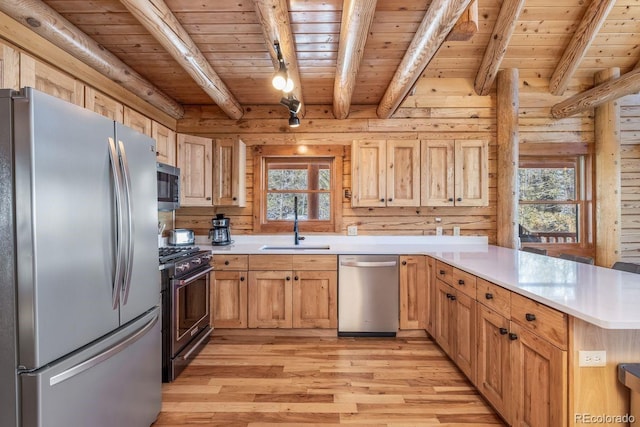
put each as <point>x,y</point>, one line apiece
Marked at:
<point>295,247</point>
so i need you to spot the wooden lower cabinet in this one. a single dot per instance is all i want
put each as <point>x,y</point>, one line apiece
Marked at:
<point>229,299</point>
<point>315,299</point>
<point>413,290</point>
<point>539,387</point>
<point>443,313</point>
<point>464,337</point>
<point>270,299</point>
<point>493,362</point>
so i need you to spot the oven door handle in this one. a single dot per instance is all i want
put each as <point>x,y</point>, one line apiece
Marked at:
<point>183,282</point>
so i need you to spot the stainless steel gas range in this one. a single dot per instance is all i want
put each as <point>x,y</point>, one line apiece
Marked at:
<point>186,320</point>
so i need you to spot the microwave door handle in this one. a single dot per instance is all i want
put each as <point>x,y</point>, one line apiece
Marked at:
<point>117,183</point>
<point>130,226</point>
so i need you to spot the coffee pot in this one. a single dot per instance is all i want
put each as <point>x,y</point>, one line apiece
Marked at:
<point>220,234</point>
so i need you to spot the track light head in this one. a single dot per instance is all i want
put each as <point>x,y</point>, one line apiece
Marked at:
<point>294,121</point>
<point>292,104</point>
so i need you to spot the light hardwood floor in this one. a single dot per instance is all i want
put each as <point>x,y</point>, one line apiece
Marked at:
<point>294,381</point>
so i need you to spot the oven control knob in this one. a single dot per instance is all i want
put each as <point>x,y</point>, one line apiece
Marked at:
<point>183,266</point>
<point>196,261</point>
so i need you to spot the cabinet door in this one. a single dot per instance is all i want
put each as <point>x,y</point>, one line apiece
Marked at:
<point>539,370</point>
<point>471,175</point>
<point>493,361</point>
<point>165,143</point>
<point>403,173</point>
<point>195,163</point>
<point>49,80</point>
<point>437,182</point>
<point>137,121</point>
<point>465,335</point>
<point>229,184</point>
<point>368,173</point>
<point>413,300</point>
<point>9,67</point>
<point>430,295</point>
<point>270,299</point>
<point>443,316</point>
<point>102,104</point>
<point>315,300</point>
<point>229,299</point>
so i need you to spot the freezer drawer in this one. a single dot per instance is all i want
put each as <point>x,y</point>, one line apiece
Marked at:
<point>368,295</point>
<point>114,382</point>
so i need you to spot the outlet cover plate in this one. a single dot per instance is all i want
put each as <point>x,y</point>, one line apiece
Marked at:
<point>352,230</point>
<point>438,231</point>
<point>592,358</point>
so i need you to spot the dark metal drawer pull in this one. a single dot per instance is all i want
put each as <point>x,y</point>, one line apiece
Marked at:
<point>530,317</point>
<point>503,331</point>
<point>460,282</point>
<point>513,336</point>
<point>488,296</point>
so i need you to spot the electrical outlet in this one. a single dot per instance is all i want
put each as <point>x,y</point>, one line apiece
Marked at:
<point>592,358</point>
<point>456,231</point>
<point>352,230</point>
<point>438,231</point>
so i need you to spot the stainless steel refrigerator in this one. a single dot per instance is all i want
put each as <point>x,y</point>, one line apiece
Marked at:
<point>80,341</point>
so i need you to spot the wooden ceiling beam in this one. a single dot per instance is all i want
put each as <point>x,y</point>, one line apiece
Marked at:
<point>587,30</point>
<point>497,46</point>
<point>357,16</point>
<point>610,90</point>
<point>467,25</point>
<point>438,21</point>
<point>274,18</point>
<point>43,20</point>
<point>158,19</point>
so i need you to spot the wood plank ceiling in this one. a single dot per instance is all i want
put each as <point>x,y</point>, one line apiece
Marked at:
<point>231,38</point>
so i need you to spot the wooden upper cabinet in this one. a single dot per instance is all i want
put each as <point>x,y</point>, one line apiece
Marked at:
<point>195,162</point>
<point>472,173</point>
<point>49,80</point>
<point>385,173</point>
<point>165,143</point>
<point>100,103</point>
<point>9,67</point>
<point>368,173</point>
<point>455,173</point>
<point>137,121</point>
<point>403,173</point>
<point>229,181</point>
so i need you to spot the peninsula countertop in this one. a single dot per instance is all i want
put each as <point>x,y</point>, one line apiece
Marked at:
<point>604,297</point>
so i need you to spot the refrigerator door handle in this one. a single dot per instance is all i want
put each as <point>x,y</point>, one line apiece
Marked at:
<point>108,353</point>
<point>130,227</point>
<point>117,282</point>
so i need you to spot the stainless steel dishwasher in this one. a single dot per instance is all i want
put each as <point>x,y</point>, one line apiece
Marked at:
<point>368,295</point>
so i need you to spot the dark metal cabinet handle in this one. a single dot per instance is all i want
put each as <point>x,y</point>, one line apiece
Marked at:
<point>530,317</point>
<point>503,331</point>
<point>242,279</point>
<point>382,200</point>
<point>404,262</point>
<point>453,297</point>
<point>513,336</point>
<point>390,200</point>
<point>488,296</point>
<point>208,198</point>
<point>288,278</point>
<point>226,262</point>
<point>295,278</point>
<point>450,199</point>
<point>460,282</point>
<point>449,296</point>
<point>459,199</point>
<point>442,272</point>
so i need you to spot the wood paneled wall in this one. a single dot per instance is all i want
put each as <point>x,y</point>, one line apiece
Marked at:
<point>630,156</point>
<point>438,109</point>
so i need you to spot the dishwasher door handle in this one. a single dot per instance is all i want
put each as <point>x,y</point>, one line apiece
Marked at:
<point>369,264</point>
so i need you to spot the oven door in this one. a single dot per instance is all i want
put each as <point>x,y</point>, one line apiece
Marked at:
<point>190,308</point>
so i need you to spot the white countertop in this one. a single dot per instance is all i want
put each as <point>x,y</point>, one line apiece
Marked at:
<point>607,298</point>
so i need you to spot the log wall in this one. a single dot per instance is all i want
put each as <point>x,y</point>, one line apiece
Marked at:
<point>437,109</point>
<point>630,177</point>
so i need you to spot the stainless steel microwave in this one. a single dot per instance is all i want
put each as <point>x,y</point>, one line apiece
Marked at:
<point>168,187</point>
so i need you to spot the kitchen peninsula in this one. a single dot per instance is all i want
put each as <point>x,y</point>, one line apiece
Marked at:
<point>530,314</point>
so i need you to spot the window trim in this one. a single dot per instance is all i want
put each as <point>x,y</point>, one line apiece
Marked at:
<point>582,161</point>
<point>333,153</point>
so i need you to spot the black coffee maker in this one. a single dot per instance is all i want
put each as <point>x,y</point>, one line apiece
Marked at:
<point>220,234</point>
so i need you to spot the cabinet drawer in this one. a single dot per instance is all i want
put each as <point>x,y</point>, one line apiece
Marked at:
<point>231,262</point>
<point>464,282</point>
<point>315,262</point>
<point>493,296</point>
<point>544,321</point>
<point>444,272</point>
<point>270,262</point>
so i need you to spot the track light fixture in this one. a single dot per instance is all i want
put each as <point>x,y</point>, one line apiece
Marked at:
<point>291,103</point>
<point>294,121</point>
<point>281,80</point>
